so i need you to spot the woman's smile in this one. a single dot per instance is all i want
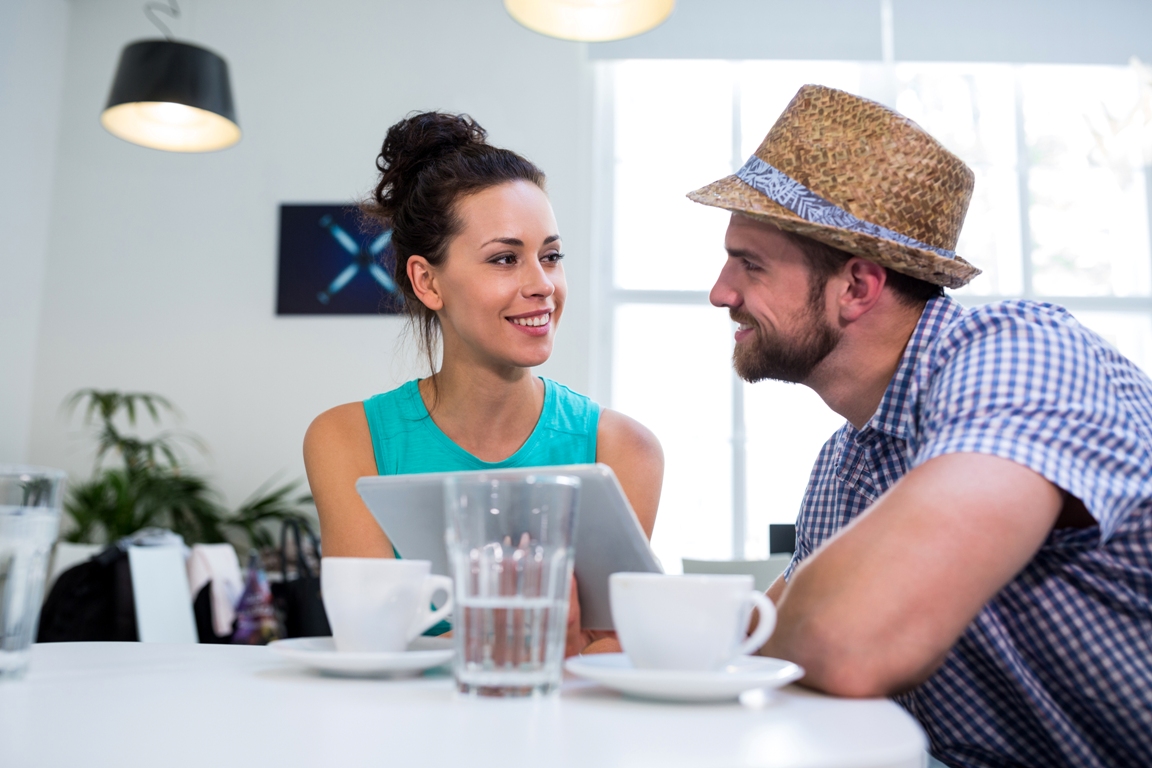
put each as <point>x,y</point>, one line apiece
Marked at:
<point>537,323</point>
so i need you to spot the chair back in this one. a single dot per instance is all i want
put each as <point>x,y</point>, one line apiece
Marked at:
<point>763,572</point>
<point>161,595</point>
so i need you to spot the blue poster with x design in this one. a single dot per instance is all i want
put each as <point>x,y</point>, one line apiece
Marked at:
<point>333,262</point>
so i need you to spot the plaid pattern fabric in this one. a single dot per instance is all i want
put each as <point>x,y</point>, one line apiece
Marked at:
<point>1057,669</point>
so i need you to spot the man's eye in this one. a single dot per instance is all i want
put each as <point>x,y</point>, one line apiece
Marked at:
<point>749,266</point>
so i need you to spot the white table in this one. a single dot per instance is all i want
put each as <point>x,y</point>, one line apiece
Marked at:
<point>134,704</point>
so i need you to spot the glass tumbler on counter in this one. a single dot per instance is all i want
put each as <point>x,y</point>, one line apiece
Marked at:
<point>30,499</point>
<point>510,550</point>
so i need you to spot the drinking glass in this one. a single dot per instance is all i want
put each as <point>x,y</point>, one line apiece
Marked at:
<point>30,499</point>
<point>510,549</point>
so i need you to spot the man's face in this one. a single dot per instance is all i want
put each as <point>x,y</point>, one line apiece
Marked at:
<point>769,290</point>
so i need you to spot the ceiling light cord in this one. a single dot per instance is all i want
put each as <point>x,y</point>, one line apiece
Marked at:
<point>168,8</point>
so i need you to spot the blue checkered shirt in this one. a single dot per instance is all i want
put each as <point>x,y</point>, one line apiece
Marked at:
<point>1056,670</point>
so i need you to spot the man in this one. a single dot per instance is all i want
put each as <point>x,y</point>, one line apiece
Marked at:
<point>976,541</point>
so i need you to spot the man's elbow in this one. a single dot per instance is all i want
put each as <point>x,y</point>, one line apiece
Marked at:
<point>854,681</point>
<point>842,666</point>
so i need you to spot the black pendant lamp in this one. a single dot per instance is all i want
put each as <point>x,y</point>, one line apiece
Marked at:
<point>171,96</point>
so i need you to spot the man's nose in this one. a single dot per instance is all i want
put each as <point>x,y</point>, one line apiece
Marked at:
<point>723,293</point>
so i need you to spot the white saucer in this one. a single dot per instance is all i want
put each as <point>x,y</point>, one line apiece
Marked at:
<point>320,653</point>
<point>745,673</point>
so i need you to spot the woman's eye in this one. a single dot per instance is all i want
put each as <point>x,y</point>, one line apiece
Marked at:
<point>551,258</point>
<point>504,258</point>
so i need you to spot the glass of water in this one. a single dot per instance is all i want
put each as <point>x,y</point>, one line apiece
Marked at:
<point>510,549</point>
<point>30,499</point>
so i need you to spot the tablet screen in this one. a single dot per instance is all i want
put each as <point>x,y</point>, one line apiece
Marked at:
<point>410,509</point>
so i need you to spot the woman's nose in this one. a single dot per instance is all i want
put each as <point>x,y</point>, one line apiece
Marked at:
<point>536,281</point>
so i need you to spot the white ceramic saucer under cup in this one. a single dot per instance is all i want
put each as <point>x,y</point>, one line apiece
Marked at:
<point>745,673</point>
<point>320,653</point>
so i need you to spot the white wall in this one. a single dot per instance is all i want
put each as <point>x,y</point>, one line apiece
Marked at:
<point>1041,31</point>
<point>33,35</point>
<point>162,267</point>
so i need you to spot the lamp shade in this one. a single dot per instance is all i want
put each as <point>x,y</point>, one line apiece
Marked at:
<point>172,96</point>
<point>590,20</point>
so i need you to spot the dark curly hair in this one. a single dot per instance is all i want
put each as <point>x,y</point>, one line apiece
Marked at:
<point>429,161</point>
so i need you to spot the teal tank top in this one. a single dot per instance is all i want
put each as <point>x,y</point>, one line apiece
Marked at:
<point>407,441</point>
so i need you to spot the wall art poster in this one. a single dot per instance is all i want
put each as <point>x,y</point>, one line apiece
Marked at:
<point>332,264</point>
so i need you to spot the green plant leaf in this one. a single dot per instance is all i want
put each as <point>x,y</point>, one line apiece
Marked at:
<point>270,504</point>
<point>152,488</point>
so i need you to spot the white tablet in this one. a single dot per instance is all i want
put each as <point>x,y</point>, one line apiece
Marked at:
<point>410,509</point>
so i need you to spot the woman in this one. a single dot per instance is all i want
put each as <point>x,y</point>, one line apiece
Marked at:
<point>479,262</point>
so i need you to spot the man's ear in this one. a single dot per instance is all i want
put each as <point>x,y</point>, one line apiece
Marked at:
<point>424,284</point>
<point>864,281</point>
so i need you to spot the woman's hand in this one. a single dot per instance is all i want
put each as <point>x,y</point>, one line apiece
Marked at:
<point>580,640</point>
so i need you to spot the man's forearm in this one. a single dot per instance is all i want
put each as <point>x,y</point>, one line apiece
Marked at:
<point>877,607</point>
<point>834,661</point>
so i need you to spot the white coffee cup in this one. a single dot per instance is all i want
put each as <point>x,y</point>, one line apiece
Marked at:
<point>379,605</point>
<point>695,622</point>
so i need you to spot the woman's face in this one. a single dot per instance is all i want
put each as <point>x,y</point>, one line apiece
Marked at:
<point>501,288</point>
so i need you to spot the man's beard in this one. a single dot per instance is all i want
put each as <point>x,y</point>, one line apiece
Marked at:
<point>792,360</point>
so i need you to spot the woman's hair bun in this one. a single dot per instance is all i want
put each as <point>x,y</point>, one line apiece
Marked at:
<point>411,145</point>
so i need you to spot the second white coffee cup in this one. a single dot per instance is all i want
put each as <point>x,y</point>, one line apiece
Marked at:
<point>379,605</point>
<point>695,622</point>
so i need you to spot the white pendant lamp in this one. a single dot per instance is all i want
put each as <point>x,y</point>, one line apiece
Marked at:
<point>171,96</point>
<point>590,20</point>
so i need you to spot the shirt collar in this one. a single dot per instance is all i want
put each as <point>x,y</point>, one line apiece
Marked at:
<point>894,414</point>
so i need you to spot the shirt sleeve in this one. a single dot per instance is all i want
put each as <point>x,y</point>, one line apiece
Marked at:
<point>819,511</point>
<point>1031,385</point>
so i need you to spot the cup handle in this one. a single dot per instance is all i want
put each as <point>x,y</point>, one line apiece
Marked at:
<point>429,619</point>
<point>764,627</point>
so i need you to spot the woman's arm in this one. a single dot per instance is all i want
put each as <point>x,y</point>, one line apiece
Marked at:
<point>635,456</point>
<point>337,452</point>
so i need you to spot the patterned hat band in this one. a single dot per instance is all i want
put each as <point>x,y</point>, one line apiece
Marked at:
<point>786,191</point>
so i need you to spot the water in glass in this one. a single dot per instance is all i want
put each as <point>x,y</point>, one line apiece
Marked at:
<point>510,547</point>
<point>29,520</point>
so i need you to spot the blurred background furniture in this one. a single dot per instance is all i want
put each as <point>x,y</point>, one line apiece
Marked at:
<point>65,555</point>
<point>763,572</point>
<point>134,590</point>
<point>215,583</point>
<point>781,539</point>
<point>782,543</point>
<point>161,596</point>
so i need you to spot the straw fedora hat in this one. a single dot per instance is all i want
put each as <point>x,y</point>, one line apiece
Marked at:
<point>859,177</point>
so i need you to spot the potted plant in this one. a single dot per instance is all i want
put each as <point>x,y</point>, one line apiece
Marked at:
<point>146,485</point>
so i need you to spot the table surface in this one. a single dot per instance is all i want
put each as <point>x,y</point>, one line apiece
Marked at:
<point>136,704</point>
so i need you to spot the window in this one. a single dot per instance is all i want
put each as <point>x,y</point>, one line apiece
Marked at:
<point>1060,213</point>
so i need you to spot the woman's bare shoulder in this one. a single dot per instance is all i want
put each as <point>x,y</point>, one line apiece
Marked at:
<point>337,451</point>
<point>636,457</point>
<point>621,434</point>
<point>341,430</point>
